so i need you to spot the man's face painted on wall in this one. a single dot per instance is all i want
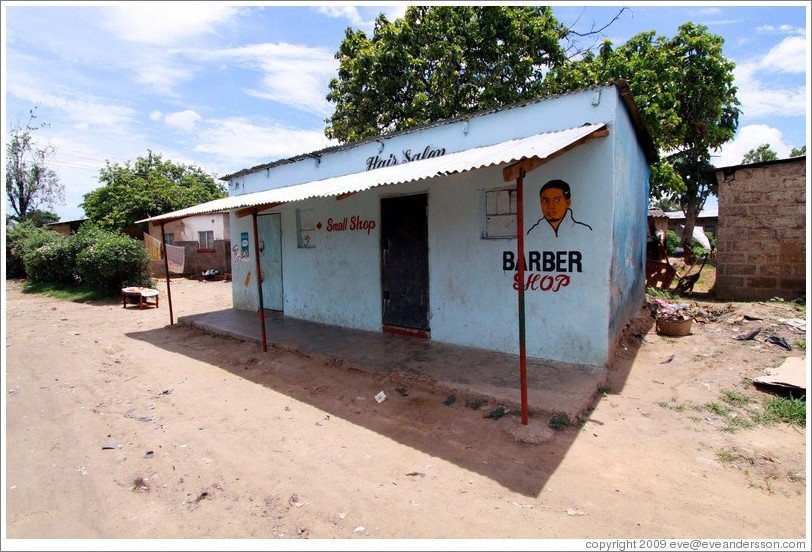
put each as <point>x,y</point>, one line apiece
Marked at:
<point>554,205</point>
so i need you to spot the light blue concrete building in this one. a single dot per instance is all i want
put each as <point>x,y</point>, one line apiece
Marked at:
<point>416,232</point>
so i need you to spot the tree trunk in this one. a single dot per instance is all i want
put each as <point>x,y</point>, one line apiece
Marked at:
<point>691,210</point>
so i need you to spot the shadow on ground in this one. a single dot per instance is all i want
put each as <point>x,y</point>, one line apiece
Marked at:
<point>439,400</point>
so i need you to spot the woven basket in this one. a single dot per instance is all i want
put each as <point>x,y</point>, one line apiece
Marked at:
<point>674,328</point>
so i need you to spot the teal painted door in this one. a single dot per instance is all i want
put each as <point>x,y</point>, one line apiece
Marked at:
<point>269,228</point>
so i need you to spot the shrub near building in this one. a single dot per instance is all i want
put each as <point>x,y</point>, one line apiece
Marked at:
<point>104,260</point>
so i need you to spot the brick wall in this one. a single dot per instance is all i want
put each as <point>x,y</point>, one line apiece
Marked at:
<point>761,241</point>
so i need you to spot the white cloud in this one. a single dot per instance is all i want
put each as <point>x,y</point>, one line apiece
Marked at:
<point>292,75</point>
<point>84,114</point>
<point>242,142</point>
<point>160,74</point>
<point>155,115</point>
<point>337,11</point>
<point>356,19</point>
<point>760,98</point>
<point>168,23</point>
<point>788,56</point>
<point>747,138</point>
<point>781,29</point>
<point>183,120</point>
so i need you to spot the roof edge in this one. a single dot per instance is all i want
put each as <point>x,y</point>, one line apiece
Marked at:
<point>621,85</point>
<point>646,142</point>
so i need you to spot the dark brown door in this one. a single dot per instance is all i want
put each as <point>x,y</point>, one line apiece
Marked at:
<point>405,262</point>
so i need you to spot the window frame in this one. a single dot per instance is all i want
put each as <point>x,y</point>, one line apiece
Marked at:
<point>305,228</point>
<point>200,240</point>
<point>490,210</point>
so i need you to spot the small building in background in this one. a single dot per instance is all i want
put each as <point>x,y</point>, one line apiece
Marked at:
<point>66,227</point>
<point>761,241</point>
<point>708,219</point>
<point>205,241</point>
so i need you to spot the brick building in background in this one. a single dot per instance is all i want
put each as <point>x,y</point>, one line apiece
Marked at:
<point>761,241</point>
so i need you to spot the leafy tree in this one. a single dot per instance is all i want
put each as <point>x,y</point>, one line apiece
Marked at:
<point>757,155</point>
<point>683,87</point>
<point>797,152</point>
<point>439,62</point>
<point>149,187</point>
<point>29,181</point>
<point>40,218</point>
<point>668,204</point>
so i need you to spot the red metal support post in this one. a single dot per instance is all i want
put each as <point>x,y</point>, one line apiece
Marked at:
<point>259,281</point>
<point>520,276</point>
<point>166,268</point>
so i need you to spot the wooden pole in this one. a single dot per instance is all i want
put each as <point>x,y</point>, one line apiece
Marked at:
<point>166,268</point>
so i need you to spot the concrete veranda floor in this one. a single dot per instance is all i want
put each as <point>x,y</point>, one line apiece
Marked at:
<point>464,371</point>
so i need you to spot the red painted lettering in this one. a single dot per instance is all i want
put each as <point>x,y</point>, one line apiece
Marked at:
<point>537,282</point>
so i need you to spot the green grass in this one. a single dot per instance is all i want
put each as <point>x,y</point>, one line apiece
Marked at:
<point>661,293</point>
<point>476,404</point>
<point>791,410</point>
<point>728,456</point>
<point>718,409</point>
<point>672,405</point>
<point>735,398</point>
<point>740,411</point>
<point>76,294</point>
<point>559,421</point>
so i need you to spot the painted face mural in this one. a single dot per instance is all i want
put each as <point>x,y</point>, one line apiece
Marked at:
<point>554,205</point>
<point>549,269</point>
<point>555,199</point>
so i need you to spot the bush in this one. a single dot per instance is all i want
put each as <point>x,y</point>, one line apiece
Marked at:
<point>22,238</point>
<point>114,261</point>
<point>672,241</point>
<point>88,235</point>
<point>51,262</point>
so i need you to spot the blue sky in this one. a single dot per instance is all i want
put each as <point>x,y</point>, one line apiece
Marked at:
<point>226,86</point>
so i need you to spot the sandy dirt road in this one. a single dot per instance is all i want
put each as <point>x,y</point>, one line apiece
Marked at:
<point>120,426</point>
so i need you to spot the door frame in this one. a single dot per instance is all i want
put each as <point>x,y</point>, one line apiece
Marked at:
<point>394,328</point>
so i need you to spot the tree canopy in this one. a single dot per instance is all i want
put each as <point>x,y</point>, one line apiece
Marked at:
<point>29,182</point>
<point>440,62</point>
<point>150,187</point>
<point>757,155</point>
<point>797,152</point>
<point>683,87</point>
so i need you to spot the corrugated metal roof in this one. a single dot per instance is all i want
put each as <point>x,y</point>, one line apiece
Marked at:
<point>538,146</point>
<point>705,213</point>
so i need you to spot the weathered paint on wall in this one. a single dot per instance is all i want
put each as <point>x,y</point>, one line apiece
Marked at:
<point>585,288</point>
<point>629,208</point>
<point>337,280</point>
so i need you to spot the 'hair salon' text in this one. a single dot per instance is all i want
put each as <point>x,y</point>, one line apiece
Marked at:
<point>377,162</point>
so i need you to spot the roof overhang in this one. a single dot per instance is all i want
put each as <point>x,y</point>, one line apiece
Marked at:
<point>518,155</point>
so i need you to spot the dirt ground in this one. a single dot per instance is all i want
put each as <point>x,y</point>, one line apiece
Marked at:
<point>119,425</point>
